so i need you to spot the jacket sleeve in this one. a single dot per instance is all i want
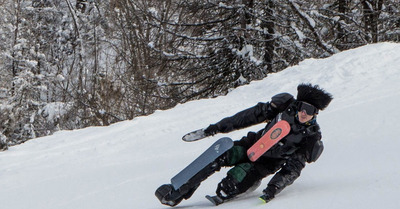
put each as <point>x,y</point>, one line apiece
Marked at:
<point>245,118</point>
<point>255,115</point>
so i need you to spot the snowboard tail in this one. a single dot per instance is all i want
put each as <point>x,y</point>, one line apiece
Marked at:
<point>194,135</point>
<point>215,200</point>
<point>186,182</point>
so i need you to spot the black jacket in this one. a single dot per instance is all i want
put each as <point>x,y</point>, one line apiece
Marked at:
<point>292,152</point>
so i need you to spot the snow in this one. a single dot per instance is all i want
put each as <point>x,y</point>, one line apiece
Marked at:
<point>54,110</point>
<point>121,166</point>
<point>248,50</point>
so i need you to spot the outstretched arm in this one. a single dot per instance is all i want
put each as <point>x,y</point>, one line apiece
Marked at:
<point>251,116</point>
<point>243,119</point>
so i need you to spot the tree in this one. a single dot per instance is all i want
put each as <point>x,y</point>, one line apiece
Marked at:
<point>371,11</point>
<point>71,64</point>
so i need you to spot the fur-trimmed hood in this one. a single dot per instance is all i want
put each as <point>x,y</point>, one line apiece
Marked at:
<point>313,95</point>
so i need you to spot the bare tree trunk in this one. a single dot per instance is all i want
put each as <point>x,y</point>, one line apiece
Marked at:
<point>269,26</point>
<point>341,34</point>
<point>15,64</point>
<point>371,12</point>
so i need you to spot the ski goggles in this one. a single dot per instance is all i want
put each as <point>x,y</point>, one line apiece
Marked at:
<point>308,108</point>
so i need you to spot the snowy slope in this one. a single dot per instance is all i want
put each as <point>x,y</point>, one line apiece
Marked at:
<point>120,166</point>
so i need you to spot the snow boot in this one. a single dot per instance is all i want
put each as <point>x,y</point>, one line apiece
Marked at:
<point>172,197</point>
<point>168,195</point>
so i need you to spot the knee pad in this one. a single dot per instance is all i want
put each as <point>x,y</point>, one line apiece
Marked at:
<point>235,155</point>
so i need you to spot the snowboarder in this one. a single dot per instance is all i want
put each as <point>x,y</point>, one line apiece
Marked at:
<point>285,159</point>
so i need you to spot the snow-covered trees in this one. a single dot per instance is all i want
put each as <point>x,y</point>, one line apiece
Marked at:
<point>69,64</point>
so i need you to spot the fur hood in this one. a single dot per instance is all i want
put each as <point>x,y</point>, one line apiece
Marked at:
<point>313,95</point>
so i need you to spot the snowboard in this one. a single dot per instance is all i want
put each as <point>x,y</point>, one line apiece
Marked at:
<point>194,135</point>
<point>269,139</point>
<point>215,200</point>
<point>212,153</point>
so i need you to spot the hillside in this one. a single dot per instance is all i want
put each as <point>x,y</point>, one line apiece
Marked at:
<point>120,166</point>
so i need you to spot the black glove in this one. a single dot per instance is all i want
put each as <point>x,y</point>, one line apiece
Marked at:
<point>266,198</point>
<point>268,194</point>
<point>211,130</point>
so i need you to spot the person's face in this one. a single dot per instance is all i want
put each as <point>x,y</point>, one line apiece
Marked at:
<point>304,117</point>
<point>306,112</point>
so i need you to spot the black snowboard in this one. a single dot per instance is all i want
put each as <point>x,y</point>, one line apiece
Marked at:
<point>212,153</point>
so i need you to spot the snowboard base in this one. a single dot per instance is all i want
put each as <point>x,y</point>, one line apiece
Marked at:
<point>212,153</point>
<point>269,139</point>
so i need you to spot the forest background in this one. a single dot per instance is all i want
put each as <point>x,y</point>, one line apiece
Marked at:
<point>69,64</point>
